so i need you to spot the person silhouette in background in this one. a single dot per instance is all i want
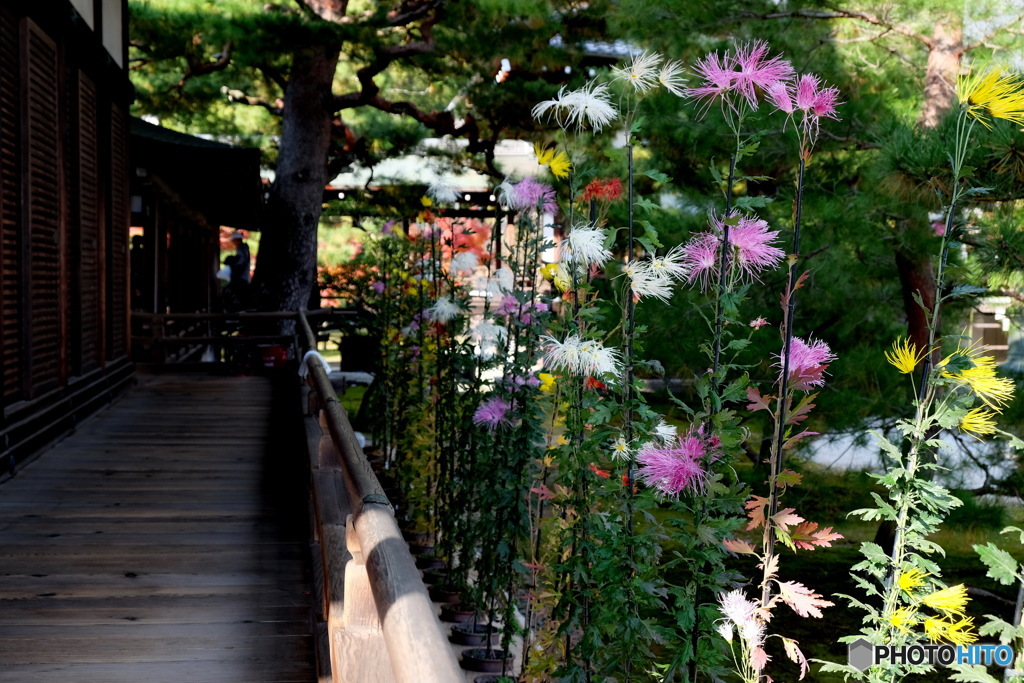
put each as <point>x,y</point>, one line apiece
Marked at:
<point>240,267</point>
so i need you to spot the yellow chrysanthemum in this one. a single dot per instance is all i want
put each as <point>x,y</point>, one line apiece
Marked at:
<point>904,618</point>
<point>957,633</point>
<point>558,274</point>
<point>547,382</point>
<point>994,93</point>
<point>555,159</point>
<point>905,355</point>
<point>981,378</point>
<point>911,579</point>
<point>978,422</point>
<point>426,201</point>
<point>952,600</point>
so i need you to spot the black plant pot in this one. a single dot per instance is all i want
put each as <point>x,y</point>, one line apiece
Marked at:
<point>426,562</point>
<point>483,659</point>
<point>445,597</point>
<point>417,549</point>
<point>416,537</point>
<point>434,577</point>
<point>458,614</point>
<point>473,634</point>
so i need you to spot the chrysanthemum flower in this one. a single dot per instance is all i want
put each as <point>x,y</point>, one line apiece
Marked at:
<point>645,282</point>
<point>905,355</point>
<point>620,449</point>
<point>672,264</point>
<point>807,363</point>
<point>547,382</point>
<point>580,357</point>
<point>640,73</point>
<point>528,194</point>
<point>716,76</point>
<point>671,78</point>
<point>488,336</point>
<point>952,600</point>
<point>585,245</point>
<point>700,256</point>
<point>755,69</point>
<point>463,262</point>
<point>554,159</point>
<point>752,242</point>
<point>444,310</point>
<point>957,633</point>
<point>441,192</point>
<point>745,615</point>
<point>602,190</point>
<point>981,378</point>
<point>674,468</point>
<point>978,422</point>
<point>758,322</point>
<point>911,579</point>
<point>903,619</point>
<point>590,105</point>
<point>994,93</point>
<point>664,432</point>
<point>493,413</point>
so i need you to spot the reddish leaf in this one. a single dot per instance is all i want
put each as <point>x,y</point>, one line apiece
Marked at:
<point>759,659</point>
<point>803,408</point>
<point>788,478</point>
<point>795,655</point>
<point>773,569</point>
<point>757,401</point>
<point>786,518</point>
<point>543,492</point>
<point>755,507</point>
<point>791,441</point>
<point>737,545</point>
<point>802,599</point>
<point>807,536</point>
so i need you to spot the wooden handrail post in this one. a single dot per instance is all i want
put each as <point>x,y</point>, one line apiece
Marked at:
<point>359,652</point>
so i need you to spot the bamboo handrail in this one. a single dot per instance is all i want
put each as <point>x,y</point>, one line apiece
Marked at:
<point>416,647</point>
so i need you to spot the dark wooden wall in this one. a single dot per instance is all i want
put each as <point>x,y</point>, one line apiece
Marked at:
<point>64,208</point>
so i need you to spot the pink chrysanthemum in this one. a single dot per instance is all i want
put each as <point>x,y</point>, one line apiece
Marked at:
<point>529,194</point>
<point>716,75</point>
<point>778,93</point>
<point>700,257</point>
<point>751,251</point>
<point>755,69</point>
<point>807,363</point>
<point>751,240</point>
<point>675,468</point>
<point>493,413</point>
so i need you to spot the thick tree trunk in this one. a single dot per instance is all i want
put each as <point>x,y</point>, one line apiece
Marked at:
<point>286,263</point>
<point>940,77</point>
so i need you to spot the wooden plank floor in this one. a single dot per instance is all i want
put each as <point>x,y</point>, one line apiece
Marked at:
<point>165,542</point>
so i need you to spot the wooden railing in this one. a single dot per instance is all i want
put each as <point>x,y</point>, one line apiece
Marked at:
<point>376,622</point>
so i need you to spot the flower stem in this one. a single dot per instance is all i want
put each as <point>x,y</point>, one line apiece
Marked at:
<point>722,263</point>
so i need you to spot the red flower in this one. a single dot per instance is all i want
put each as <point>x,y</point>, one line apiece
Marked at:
<point>604,474</point>
<point>593,383</point>
<point>602,190</point>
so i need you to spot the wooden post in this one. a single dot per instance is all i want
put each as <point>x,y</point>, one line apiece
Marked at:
<point>359,654</point>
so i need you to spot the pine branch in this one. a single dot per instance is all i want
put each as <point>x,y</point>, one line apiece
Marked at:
<point>983,41</point>
<point>239,97</point>
<point>840,13</point>
<point>200,68</point>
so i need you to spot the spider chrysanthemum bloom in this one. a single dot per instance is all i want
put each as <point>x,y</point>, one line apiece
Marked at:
<point>716,76</point>
<point>671,78</point>
<point>672,264</point>
<point>980,378</point>
<point>905,355</point>
<point>463,262</point>
<point>590,105</point>
<point>911,579</point>
<point>641,72</point>
<point>808,361</point>
<point>978,422</point>
<point>444,310</point>
<point>441,192</point>
<point>995,93</point>
<point>555,159</point>
<point>677,467</point>
<point>585,245</point>
<point>951,601</point>
<point>620,449</point>
<point>904,619</point>
<point>753,244</point>
<point>645,282</point>
<point>700,258</point>
<point>955,632</point>
<point>664,432</point>
<point>492,414</point>
<point>529,194</point>
<point>580,357</point>
<point>755,69</point>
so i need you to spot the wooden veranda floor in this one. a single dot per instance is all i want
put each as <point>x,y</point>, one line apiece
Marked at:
<point>165,541</point>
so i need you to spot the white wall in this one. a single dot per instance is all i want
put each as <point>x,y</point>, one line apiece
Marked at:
<point>113,39</point>
<point>85,8</point>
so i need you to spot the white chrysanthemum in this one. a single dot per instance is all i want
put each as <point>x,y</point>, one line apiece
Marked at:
<point>464,261</point>
<point>671,77</point>
<point>641,71</point>
<point>506,193</point>
<point>487,336</point>
<point>444,310</point>
<point>646,282</point>
<point>737,608</point>
<point>441,192</point>
<point>505,278</point>
<point>725,630</point>
<point>671,264</point>
<point>580,357</point>
<point>591,104</point>
<point>664,432</point>
<point>586,245</point>
<point>620,449</point>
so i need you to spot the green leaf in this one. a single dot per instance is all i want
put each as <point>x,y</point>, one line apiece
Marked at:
<point>748,203</point>
<point>637,126</point>
<point>645,204</point>
<point>966,290</point>
<point>1005,632</point>
<point>975,673</point>
<point>1001,565</point>
<point>657,176</point>
<point>1012,529</point>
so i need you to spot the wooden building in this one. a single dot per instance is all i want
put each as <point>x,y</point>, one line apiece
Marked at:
<point>64,206</point>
